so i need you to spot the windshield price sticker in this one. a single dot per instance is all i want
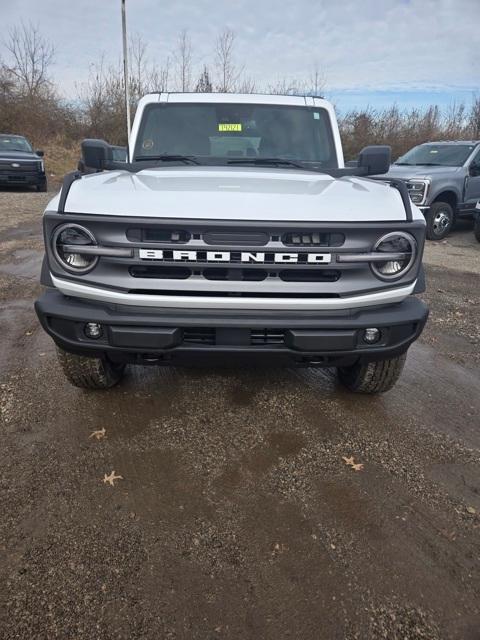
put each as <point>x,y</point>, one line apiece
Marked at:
<point>229,127</point>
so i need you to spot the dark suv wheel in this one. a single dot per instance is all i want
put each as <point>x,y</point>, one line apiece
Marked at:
<point>476,228</point>
<point>440,219</point>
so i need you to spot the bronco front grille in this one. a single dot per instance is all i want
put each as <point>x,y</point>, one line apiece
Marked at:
<point>199,259</point>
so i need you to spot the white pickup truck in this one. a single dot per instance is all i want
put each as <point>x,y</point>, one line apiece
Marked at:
<point>233,232</point>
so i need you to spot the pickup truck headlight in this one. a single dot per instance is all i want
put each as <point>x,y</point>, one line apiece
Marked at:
<point>67,244</point>
<point>418,190</point>
<point>402,250</point>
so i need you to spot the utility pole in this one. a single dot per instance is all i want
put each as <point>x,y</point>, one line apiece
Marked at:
<point>125,70</point>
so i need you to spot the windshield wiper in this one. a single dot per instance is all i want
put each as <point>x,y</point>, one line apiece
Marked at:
<point>170,158</point>
<point>403,164</point>
<point>268,161</point>
<point>429,164</point>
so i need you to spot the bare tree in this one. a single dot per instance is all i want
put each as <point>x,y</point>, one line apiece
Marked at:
<point>31,56</point>
<point>204,84</point>
<point>317,80</point>
<point>228,72</point>
<point>246,85</point>
<point>287,87</point>
<point>183,61</point>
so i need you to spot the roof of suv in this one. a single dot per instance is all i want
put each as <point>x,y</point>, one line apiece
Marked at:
<point>246,98</point>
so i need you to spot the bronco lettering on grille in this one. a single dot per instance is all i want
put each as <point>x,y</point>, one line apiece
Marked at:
<point>260,257</point>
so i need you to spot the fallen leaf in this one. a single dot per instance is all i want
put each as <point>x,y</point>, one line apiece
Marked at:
<point>28,333</point>
<point>471,511</point>
<point>351,463</point>
<point>99,434</point>
<point>111,478</point>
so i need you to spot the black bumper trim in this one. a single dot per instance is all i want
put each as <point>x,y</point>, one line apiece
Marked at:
<point>135,335</point>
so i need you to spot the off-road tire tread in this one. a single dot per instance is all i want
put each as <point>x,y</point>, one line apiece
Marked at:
<point>89,373</point>
<point>372,377</point>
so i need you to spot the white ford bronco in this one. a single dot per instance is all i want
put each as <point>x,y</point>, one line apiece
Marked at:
<point>233,232</point>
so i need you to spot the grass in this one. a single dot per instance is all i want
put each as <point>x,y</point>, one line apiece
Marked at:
<point>60,158</point>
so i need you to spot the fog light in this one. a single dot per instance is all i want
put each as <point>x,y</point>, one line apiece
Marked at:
<point>371,335</point>
<point>93,330</point>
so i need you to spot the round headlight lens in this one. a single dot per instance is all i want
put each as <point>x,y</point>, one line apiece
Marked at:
<point>66,240</point>
<point>398,243</point>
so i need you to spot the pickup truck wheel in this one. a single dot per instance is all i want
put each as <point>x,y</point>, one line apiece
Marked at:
<point>42,188</point>
<point>440,219</point>
<point>372,377</point>
<point>89,373</point>
<point>476,228</point>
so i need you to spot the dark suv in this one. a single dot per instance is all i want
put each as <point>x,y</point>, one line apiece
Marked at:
<point>20,165</point>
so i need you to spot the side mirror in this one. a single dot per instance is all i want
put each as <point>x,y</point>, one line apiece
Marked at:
<point>96,154</point>
<point>39,153</point>
<point>474,169</point>
<point>375,159</point>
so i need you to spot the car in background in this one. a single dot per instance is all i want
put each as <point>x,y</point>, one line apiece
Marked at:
<point>443,179</point>
<point>20,165</point>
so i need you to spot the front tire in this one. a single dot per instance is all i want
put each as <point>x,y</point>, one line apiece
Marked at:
<point>89,373</point>
<point>42,187</point>
<point>440,219</point>
<point>372,377</point>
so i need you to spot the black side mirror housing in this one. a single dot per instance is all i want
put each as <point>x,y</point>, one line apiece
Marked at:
<point>96,154</point>
<point>39,153</point>
<point>375,160</point>
<point>474,169</point>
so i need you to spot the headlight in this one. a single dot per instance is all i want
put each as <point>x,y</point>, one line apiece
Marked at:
<point>417,190</point>
<point>41,166</point>
<point>67,243</point>
<point>402,248</point>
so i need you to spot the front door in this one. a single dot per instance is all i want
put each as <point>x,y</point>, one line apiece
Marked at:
<point>472,190</point>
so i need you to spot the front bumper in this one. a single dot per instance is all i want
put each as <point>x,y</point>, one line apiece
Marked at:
<point>145,335</point>
<point>22,178</point>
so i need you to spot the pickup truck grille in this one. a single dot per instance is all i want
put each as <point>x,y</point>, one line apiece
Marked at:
<point>7,167</point>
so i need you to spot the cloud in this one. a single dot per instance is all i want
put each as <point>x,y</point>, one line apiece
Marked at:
<point>367,44</point>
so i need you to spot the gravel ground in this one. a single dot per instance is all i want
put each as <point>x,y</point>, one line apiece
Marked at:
<point>236,516</point>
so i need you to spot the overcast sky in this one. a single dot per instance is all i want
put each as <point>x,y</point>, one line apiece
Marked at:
<point>371,51</point>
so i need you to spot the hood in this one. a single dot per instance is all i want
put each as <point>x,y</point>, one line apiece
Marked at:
<point>239,194</point>
<point>18,155</point>
<point>421,171</point>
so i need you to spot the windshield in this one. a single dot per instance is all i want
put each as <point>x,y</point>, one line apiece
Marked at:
<point>448,155</point>
<point>219,133</point>
<point>14,143</point>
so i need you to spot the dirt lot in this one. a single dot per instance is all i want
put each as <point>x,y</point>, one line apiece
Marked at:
<point>236,516</point>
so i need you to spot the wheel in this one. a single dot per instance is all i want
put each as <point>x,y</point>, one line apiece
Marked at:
<point>372,377</point>
<point>476,228</point>
<point>89,373</point>
<point>440,220</point>
<point>42,187</point>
